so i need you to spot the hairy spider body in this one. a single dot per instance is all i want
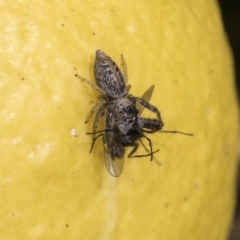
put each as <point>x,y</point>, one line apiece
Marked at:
<point>124,125</point>
<point>112,84</point>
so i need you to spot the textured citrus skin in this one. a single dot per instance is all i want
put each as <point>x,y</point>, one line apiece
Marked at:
<point>51,187</point>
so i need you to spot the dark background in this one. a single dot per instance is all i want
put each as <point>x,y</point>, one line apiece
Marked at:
<point>231,19</point>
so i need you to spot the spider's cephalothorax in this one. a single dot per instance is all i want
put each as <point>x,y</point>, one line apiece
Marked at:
<point>124,113</point>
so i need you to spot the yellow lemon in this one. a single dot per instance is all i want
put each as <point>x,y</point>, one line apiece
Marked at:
<point>51,186</point>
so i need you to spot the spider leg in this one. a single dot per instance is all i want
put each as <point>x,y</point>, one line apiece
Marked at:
<point>91,84</point>
<point>124,66</point>
<point>100,113</point>
<point>96,108</point>
<point>128,87</point>
<point>149,107</point>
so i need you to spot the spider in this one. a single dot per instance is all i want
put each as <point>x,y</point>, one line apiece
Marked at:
<point>124,124</point>
<point>111,83</point>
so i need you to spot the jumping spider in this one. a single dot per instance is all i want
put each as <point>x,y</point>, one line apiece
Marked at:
<point>124,125</point>
<point>112,84</point>
<point>122,119</point>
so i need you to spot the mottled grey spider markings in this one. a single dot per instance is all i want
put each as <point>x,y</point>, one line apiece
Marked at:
<point>124,125</point>
<point>109,77</point>
<point>112,84</point>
